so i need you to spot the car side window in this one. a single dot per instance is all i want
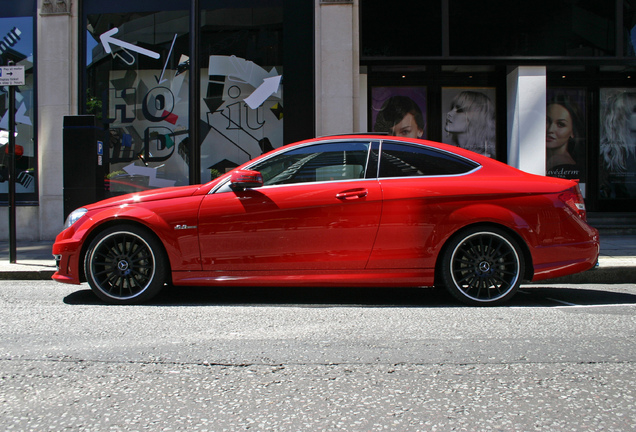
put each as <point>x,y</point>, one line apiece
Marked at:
<point>404,160</point>
<point>316,163</point>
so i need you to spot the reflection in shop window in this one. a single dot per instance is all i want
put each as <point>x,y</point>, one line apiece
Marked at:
<point>139,88</point>
<point>244,112</point>
<point>16,45</point>
<point>242,85</point>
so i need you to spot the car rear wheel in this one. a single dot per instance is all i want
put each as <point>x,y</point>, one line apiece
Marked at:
<point>126,265</point>
<point>482,266</point>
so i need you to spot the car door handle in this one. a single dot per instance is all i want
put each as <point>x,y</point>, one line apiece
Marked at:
<point>352,194</point>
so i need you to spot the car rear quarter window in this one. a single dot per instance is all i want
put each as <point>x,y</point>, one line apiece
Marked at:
<point>405,160</point>
<point>316,163</point>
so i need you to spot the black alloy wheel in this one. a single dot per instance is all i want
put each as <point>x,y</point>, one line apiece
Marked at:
<point>482,266</point>
<point>126,265</point>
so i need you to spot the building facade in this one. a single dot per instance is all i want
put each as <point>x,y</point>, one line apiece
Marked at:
<point>123,96</point>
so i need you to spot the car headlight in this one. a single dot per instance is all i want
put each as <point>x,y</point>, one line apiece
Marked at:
<point>74,216</point>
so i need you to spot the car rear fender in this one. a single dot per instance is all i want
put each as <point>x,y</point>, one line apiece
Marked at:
<point>487,214</point>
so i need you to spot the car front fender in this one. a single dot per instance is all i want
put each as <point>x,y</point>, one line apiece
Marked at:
<point>181,244</point>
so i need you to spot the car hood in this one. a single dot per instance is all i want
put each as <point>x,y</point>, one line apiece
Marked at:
<point>145,196</point>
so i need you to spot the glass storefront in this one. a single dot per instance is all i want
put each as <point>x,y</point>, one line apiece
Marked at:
<point>142,67</point>
<point>241,83</point>
<point>497,28</point>
<point>456,66</point>
<point>558,28</point>
<point>181,106</point>
<point>137,76</point>
<point>17,45</point>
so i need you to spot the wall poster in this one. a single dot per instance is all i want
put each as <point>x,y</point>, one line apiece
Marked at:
<point>566,141</point>
<point>617,151</point>
<point>468,119</point>
<point>399,111</point>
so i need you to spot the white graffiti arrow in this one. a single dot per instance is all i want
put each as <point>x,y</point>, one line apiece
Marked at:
<point>245,71</point>
<point>265,90</point>
<point>160,80</point>
<point>107,40</point>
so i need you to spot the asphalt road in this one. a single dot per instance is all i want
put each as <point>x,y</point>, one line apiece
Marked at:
<point>558,358</point>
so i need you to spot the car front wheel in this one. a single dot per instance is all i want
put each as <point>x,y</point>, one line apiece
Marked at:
<point>482,266</point>
<point>126,265</point>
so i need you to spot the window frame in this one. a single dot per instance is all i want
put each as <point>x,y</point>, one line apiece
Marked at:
<point>429,149</point>
<point>368,143</point>
<point>224,186</point>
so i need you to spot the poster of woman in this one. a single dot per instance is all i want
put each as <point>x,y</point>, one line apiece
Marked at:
<point>618,143</point>
<point>468,119</point>
<point>399,111</point>
<point>565,133</point>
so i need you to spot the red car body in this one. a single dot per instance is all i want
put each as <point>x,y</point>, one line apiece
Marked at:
<point>371,230</point>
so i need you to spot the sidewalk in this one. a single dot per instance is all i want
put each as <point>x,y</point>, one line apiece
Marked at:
<point>617,263</point>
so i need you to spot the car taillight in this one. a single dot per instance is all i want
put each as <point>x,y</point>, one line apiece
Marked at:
<point>574,200</point>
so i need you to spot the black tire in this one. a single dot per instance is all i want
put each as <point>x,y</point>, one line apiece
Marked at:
<point>126,265</point>
<point>482,266</point>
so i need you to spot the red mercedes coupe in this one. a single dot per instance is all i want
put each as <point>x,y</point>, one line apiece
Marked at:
<point>350,210</point>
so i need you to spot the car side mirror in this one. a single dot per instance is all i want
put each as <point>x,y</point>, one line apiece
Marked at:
<point>246,179</point>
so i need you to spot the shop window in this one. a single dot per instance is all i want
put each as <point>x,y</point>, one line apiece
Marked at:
<point>401,28</point>
<point>532,28</point>
<point>242,113</point>
<point>137,86</point>
<point>17,45</point>
<point>617,150</point>
<point>629,28</point>
<point>140,87</point>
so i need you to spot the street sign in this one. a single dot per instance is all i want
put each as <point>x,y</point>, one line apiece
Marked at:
<point>11,75</point>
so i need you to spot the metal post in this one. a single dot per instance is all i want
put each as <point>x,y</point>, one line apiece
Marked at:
<point>195,91</point>
<point>12,243</point>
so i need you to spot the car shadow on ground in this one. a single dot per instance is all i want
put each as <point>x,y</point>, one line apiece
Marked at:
<point>545,296</point>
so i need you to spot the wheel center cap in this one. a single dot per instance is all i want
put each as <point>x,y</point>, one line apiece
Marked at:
<point>122,265</point>
<point>484,266</point>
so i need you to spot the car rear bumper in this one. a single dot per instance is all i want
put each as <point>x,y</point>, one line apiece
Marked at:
<point>580,257</point>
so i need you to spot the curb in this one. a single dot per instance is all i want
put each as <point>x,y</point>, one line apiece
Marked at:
<point>599,275</point>
<point>26,275</point>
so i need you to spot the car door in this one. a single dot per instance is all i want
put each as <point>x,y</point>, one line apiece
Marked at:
<point>413,203</point>
<point>316,211</point>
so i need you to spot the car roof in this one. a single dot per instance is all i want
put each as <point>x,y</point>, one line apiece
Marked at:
<point>481,159</point>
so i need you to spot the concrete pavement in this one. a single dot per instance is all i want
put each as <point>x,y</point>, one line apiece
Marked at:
<point>617,263</point>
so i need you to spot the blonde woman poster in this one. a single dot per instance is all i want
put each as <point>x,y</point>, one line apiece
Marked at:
<point>468,119</point>
<point>618,143</point>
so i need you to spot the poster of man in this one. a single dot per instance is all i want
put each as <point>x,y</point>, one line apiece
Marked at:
<point>399,111</point>
<point>468,119</point>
